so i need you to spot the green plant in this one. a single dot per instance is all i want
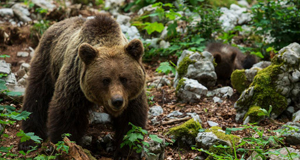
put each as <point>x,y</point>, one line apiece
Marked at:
<point>39,28</point>
<point>280,19</point>
<point>166,68</point>
<point>258,143</point>
<point>134,140</point>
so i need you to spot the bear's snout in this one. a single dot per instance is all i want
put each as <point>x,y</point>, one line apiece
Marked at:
<point>117,102</point>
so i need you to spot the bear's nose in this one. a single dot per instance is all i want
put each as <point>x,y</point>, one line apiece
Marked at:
<point>117,102</point>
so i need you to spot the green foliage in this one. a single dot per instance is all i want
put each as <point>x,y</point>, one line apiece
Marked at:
<point>281,21</point>
<point>152,27</point>
<point>40,27</point>
<point>134,139</point>
<point>166,68</point>
<point>258,143</point>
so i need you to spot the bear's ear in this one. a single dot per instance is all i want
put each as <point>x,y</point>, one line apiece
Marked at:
<point>135,49</point>
<point>218,58</point>
<point>87,53</point>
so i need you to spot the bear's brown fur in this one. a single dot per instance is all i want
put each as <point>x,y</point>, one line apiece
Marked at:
<point>78,64</point>
<point>228,59</point>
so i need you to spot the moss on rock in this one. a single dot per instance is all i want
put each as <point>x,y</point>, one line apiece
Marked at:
<point>239,80</point>
<point>233,139</point>
<point>254,112</point>
<point>183,66</point>
<point>189,128</point>
<point>180,84</point>
<point>265,93</point>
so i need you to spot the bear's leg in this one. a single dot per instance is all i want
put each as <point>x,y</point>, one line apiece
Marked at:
<point>37,97</point>
<point>136,113</point>
<point>68,111</point>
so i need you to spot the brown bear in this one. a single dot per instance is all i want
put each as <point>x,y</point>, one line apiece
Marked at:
<point>228,59</point>
<point>79,64</point>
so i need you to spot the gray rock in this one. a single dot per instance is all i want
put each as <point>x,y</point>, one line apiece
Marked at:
<point>201,70</point>
<point>262,64</point>
<point>244,3</point>
<point>160,81</point>
<point>292,135</point>
<point>97,117</point>
<point>296,116</point>
<point>286,82</point>
<point>123,20</point>
<point>284,154</point>
<point>21,11</point>
<point>208,139</point>
<point>45,4</point>
<point>211,123</point>
<point>4,67</point>
<point>6,12</point>
<point>191,91</point>
<point>224,92</point>
<point>156,150</point>
<point>130,32</point>
<point>174,114</point>
<point>164,44</point>
<point>255,156</point>
<point>108,142</point>
<point>154,121</point>
<point>114,4</point>
<point>195,116</point>
<point>149,9</point>
<point>155,111</point>
<point>22,54</point>
<point>1,128</point>
<point>152,42</point>
<point>87,140</point>
<point>25,66</point>
<point>233,16</point>
<point>217,100</point>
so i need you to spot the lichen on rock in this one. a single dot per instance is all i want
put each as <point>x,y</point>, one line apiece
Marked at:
<point>233,139</point>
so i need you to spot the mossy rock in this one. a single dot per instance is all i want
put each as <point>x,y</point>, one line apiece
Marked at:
<point>264,91</point>
<point>239,80</point>
<point>180,84</point>
<point>233,139</point>
<point>183,66</point>
<point>254,112</point>
<point>189,129</point>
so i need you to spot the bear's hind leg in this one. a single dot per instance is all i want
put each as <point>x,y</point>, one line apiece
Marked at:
<point>37,97</point>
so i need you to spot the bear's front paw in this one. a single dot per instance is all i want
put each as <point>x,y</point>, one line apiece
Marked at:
<point>25,146</point>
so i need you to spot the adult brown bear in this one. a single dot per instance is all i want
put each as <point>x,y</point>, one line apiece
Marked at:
<point>78,64</point>
<point>228,59</point>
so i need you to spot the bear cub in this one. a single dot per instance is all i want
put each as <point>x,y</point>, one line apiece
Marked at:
<point>79,64</point>
<point>228,59</point>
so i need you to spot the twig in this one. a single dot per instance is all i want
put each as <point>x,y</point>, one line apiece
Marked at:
<point>175,120</point>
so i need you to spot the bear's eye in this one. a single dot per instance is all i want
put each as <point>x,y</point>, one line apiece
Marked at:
<point>123,80</point>
<point>106,81</point>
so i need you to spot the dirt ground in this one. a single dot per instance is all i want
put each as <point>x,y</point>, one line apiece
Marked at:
<point>223,114</point>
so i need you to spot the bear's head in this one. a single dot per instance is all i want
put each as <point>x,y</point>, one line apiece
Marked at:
<point>225,64</point>
<point>112,76</point>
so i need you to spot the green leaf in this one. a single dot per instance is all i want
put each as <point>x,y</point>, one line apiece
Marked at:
<point>152,27</point>
<point>135,136</point>
<point>155,138</point>
<point>6,149</point>
<point>20,116</point>
<point>165,68</point>
<point>27,136</point>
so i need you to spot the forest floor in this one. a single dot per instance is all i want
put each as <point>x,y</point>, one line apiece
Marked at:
<point>223,114</point>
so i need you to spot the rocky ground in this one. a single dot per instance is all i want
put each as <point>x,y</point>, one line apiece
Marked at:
<point>210,107</point>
